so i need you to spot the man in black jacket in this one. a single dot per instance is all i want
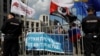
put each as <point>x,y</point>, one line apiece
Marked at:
<point>91,28</point>
<point>12,28</point>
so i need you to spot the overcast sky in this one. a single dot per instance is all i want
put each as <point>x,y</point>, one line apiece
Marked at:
<point>40,6</point>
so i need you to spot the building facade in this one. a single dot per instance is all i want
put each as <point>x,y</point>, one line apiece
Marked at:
<point>41,25</point>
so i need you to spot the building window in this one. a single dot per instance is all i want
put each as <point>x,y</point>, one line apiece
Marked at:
<point>32,30</point>
<point>5,6</point>
<point>37,29</point>
<point>44,18</point>
<point>27,24</point>
<point>32,24</point>
<point>37,24</point>
<point>22,22</point>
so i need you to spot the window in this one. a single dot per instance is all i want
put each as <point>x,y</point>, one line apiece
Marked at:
<point>27,24</point>
<point>22,22</point>
<point>32,30</point>
<point>5,6</point>
<point>37,30</point>
<point>37,24</point>
<point>44,18</point>
<point>32,24</point>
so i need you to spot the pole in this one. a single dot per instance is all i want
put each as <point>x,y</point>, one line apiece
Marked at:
<point>82,39</point>
<point>24,33</point>
<point>1,22</point>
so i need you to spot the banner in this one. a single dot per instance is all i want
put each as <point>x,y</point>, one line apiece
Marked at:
<point>18,7</point>
<point>45,42</point>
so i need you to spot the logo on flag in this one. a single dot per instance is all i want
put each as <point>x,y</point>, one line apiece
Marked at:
<point>54,8</point>
<point>61,10</point>
<point>20,8</point>
<point>16,4</point>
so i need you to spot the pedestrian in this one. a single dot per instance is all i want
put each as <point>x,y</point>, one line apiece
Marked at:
<point>60,30</point>
<point>74,35</point>
<point>12,28</point>
<point>91,29</point>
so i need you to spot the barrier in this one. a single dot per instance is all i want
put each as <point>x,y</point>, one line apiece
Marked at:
<point>48,43</point>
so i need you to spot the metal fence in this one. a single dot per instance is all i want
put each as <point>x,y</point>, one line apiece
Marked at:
<point>69,49</point>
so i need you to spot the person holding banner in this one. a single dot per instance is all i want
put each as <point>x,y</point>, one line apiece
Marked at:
<point>12,28</point>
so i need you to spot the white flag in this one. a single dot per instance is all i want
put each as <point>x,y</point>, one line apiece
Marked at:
<point>18,7</point>
<point>64,3</point>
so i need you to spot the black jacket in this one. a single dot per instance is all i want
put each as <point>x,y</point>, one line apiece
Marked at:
<point>91,24</point>
<point>12,26</point>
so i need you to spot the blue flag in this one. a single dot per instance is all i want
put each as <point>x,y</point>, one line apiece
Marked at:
<point>74,34</point>
<point>80,8</point>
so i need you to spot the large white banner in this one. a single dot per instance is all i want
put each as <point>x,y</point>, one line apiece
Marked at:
<point>18,7</point>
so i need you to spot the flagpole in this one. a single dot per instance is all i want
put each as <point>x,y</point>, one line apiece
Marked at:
<point>24,34</point>
<point>82,37</point>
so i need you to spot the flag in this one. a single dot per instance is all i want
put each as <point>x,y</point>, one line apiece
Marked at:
<point>64,3</point>
<point>62,11</point>
<point>54,8</point>
<point>57,10</point>
<point>18,7</point>
<point>74,34</point>
<point>61,6</point>
<point>95,4</point>
<point>81,8</point>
